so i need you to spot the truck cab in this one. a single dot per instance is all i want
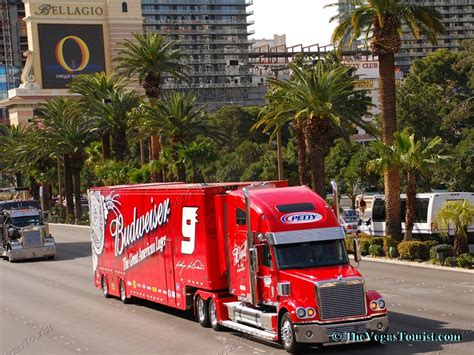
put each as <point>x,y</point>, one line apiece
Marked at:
<point>24,234</point>
<point>290,272</point>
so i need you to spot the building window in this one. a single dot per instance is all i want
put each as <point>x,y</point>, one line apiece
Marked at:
<point>124,6</point>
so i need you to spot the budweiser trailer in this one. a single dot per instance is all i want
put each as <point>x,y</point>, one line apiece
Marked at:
<point>261,258</point>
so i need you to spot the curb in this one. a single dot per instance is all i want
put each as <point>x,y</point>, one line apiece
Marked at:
<point>68,225</point>
<point>415,264</point>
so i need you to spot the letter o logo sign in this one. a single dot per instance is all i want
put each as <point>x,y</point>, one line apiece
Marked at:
<point>59,52</point>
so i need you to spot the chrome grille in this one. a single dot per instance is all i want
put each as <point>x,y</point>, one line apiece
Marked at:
<point>32,239</point>
<point>341,298</point>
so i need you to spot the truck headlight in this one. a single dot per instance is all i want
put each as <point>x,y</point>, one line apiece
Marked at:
<point>301,312</point>
<point>378,305</point>
<point>49,240</point>
<point>381,303</point>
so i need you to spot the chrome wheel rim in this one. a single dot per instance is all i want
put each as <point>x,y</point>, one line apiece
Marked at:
<point>200,306</point>
<point>286,334</point>
<point>104,286</point>
<point>122,291</point>
<point>213,313</point>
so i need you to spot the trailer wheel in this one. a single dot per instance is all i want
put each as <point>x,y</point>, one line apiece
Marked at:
<point>213,316</point>
<point>105,288</point>
<point>202,312</point>
<point>287,335</point>
<point>123,293</point>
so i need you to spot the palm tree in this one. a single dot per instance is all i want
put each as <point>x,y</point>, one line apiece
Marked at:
<point>105,100</point>
<point>195,154</point>
<point>325,99</point>
<point>381,21</point>
<point>457,215</point>
<point>178,122</point>
<point>273,117</point>
<point>12,136</point>
<point>413,158</point>
<point>70,132</point>
<point>151,56</point>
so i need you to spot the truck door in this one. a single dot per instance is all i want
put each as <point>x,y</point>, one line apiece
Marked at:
<point>266,274</point>
<point>239,273</point>
<point>170,280</point>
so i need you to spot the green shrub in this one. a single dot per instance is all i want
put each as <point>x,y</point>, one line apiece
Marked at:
<point>431,243</point>
<point>414,250</point>
<point>392,252</point>
<point>389,242</point>
<point>450,261</point>
<point>349,242</point>
<point>376,250</point>
<point>364,246</point>
<point>441,252</point>
<point>465,260</point>
<point>376,241</point>
<point>140,175</point>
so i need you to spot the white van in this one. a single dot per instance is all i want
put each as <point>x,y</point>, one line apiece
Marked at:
<point>427,205</point>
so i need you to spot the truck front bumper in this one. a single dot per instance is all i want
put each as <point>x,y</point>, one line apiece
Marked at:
<point>337,333</point>
<point>32,253</point>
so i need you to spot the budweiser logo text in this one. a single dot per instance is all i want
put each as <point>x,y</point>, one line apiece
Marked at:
<point>126,235</point>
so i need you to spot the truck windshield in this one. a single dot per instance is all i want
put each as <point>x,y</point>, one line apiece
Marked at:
<point>311,254</point>
<point>25,221</point>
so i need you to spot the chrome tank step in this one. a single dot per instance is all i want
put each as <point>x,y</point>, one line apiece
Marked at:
<point>258,333</point>
<point>240,312</point>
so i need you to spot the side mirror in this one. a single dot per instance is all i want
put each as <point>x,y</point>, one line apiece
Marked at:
<point>357,255</point>
<point>13,233</point>
<point>253,259</point>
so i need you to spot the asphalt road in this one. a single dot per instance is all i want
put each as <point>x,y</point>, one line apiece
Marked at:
<point>52,307</point>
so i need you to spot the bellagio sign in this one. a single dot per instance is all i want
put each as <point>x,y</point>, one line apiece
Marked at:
<point>67,10</point>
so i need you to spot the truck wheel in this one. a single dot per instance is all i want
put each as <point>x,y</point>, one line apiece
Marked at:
<point>213,316</point>
<point>202,312</point>
<point>287,335</point>
<point>105,288</point>
<point>9,255</point>
<point>123,293</point>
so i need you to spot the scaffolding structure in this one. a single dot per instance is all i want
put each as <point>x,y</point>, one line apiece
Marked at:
<point>7,44</point>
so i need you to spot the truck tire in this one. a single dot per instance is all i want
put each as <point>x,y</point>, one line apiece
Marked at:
<point>123,293</point>
<point>105,288</point>
<point>213,316</point>
<point>202,312</point>
<point>9,255</point>
<point>288,336</point>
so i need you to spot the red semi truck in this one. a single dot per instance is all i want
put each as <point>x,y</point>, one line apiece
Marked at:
<point>261,258</point>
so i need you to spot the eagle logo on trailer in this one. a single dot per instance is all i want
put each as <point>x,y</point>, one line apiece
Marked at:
<point>301,217</point>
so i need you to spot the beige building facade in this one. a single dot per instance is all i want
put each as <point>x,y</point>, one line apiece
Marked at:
<point>67,38</point>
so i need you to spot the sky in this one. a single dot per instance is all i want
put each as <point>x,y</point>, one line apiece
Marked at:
<point>303,21</point>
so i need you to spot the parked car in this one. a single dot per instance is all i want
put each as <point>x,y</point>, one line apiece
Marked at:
<point>350,221</point>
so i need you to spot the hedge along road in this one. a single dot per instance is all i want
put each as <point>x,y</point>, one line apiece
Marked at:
<point>59,297</point>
